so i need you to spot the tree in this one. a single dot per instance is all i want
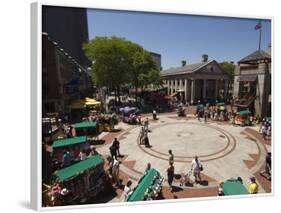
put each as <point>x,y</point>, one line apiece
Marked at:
<point>229,68</point>
<point>117,61</point>
<point>143,67</point>
<point>110,59</point>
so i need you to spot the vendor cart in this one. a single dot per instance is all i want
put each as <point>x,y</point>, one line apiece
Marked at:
<point>181,110</point>
<point>107,122</point>
<point>149,187</point>
<point>234,187</point>
<point>71,144</point>
<point>242,117</point>
<point>82,181</point>
<point>87,128</point>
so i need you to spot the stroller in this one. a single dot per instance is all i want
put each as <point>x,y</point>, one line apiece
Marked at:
<point>185,178</point>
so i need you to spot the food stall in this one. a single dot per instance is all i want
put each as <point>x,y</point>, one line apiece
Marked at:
<point>181,110</point>
<point>72,144</point>
<point>107,122</point>
<point>234,187</point>
<point>242,117</point>
<point>129,115</point>
<point>149,187</point>
<point>92,104</point>
<point>87,128</point>
<point>83,181</point>
<point>221,110</point>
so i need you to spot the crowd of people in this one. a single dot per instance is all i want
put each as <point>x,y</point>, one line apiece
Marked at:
<point>265,129</point>
<point>196,167</point>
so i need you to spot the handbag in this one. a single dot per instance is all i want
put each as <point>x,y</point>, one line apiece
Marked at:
<point>201,168</point>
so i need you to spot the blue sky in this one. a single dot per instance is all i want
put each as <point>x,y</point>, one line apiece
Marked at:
<point>182,37</point>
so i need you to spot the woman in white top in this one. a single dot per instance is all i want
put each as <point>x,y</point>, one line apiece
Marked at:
<point>127,190</point>
<point>82,155</point>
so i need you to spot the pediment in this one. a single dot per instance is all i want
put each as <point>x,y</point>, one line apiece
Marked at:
<point>212,68</point>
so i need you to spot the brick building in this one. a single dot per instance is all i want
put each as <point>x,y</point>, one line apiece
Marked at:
<point>63,79</point>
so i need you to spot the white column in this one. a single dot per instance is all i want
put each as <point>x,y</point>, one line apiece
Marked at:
<point>192,91</point>
<point>216,90</point>
<point>168,86</point>
<point>204,89</point>
<point>185,90</point>
<point>180,84</point>
<point>176,85</point>
<point>225,88</point>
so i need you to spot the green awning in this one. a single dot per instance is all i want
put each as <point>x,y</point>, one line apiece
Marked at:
<point>143,185</point>
<point>79,168</point>
<point>244,112</point>
<point>69,141</point>
<point>200,106</point>
<point>85,125</point>
<point>234,187</point>
<point>268,119</point>
<point>220,104</point>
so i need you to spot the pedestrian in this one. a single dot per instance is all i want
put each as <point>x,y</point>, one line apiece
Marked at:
<point>196,167</point>
<point>113,152</point>
<point>93,151</point>
<point>115,171</point>
<point>146,123</point>
<point>146,140</point>
<point>128,190</point>
<point>199,114</point>
<point>206,113</point>
<point>253,187</point>
<point>170,175</point>
<point>154,114</point>
<point>66,159</point>
<point>267,168</point>
<point>116,144</point>
<point>264,130</point>
<point>171,157</point>
<point>82,154</point>
<point>148,167</point>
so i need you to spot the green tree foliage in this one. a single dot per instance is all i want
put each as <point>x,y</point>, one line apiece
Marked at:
<point>117,61</point>
<point>229,68</point>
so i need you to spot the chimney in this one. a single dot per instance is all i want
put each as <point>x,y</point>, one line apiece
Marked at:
<point>183,63</point>
<point>204,58</point>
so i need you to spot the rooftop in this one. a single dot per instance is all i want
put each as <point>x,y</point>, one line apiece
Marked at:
<point>185,69</point>
<point>255,56</point>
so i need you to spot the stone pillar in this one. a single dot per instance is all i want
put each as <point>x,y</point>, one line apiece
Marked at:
<point>204,89</point>
<point>192,98</point>
<point>168,86</point>
<point>176,85</point>
<point>172,85</point>
<point>216,90</point>
<point>185,90</point>
<point>225,88</point>
<point>180,84</point>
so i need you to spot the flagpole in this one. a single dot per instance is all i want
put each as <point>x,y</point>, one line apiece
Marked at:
<point>260,37</point>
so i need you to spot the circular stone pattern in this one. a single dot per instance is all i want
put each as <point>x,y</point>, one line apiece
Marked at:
<point>189,139</point>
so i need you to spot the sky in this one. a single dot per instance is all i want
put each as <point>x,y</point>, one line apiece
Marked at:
<point>182,37</point>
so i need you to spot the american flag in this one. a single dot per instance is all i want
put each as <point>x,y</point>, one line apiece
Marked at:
<point>258,26</point>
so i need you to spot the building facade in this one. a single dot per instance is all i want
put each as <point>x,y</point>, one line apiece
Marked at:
<point>252,83</point>
<point>204,82</point>
<point>63,79</point>
<point>156,59</point>
<point>68,26</point>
